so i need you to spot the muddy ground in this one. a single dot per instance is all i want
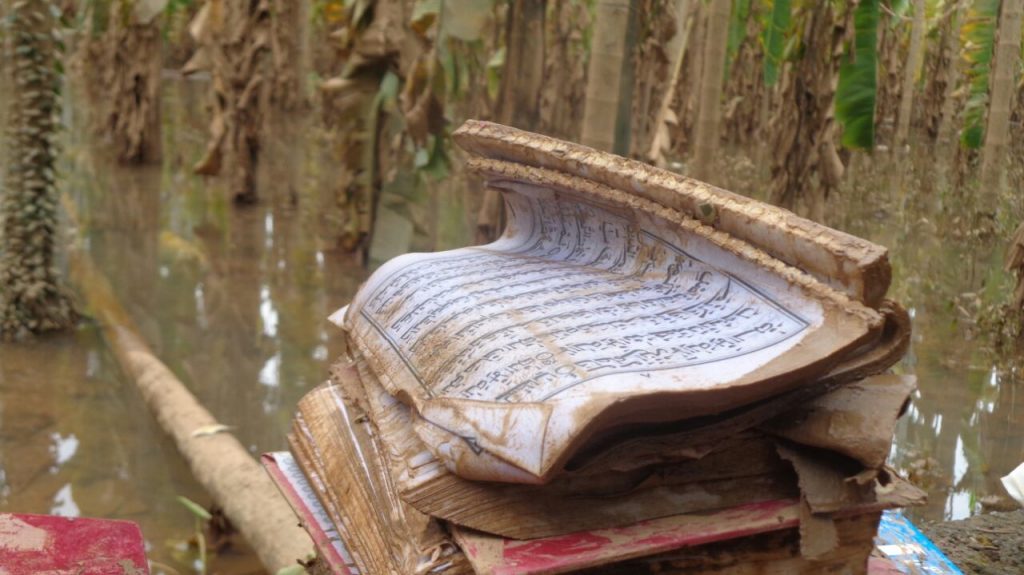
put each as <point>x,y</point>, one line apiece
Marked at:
<point>987,544</point>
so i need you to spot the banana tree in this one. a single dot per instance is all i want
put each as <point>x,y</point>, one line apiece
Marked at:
<point>775,34</point>
<point>916,55</point>
<point>801,56</point>
<point>603,103</point>
<point>978,40</point>
<point>943,70</point>
<point>745,92</point>
<point>1004,80</point>
<point>131,76</point>
<point>855,95</point>
<point>709,118</point>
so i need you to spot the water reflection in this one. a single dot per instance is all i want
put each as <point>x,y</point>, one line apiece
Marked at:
<point>63,448</point>
<point>64,504</point>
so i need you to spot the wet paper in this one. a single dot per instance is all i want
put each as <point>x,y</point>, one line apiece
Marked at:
<point>596,309</point>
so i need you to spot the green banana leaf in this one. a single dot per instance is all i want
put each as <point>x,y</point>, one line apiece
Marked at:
<point>855,96</point>
<point>978,35</point>
<point>775,40</point>
<point>737,30</point>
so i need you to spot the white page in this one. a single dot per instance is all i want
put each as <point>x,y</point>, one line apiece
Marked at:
<point>583,300</point>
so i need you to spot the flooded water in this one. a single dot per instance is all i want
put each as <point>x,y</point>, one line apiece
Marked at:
<point>234,300</point>
<point>965,427</point>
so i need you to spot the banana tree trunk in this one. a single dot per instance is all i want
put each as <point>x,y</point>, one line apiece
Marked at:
<point>942,73</point>
<point>805,164</point>
<point>523,80</point>
<point>710,117</point>
<point>32,299</point>
<point>666,119</point>
<point>289,53</point>
<point>521,88</point>
<point>132,82</point>
<point>910,73</point>
<point>604,73</point>
<point>1004,79</point>
<point>689,99</point>
<point>232,36</point>
<point>565,59</point>
<point>745,91</point>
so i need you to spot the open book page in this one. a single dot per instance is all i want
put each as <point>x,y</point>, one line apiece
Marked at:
<point>581,294</point>
<point>853,265</point>
<point>638,447</point>
<point>594,309</point>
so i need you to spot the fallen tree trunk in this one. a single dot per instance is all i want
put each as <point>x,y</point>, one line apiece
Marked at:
<point>218,460</point>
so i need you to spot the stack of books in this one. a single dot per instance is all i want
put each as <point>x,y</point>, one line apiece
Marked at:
<point>643,374</point>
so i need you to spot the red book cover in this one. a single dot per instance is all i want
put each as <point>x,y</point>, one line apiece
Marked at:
<point>32,544</point>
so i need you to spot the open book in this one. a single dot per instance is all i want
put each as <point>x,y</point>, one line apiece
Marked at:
<point>641,365</point>
<point>598,309</point>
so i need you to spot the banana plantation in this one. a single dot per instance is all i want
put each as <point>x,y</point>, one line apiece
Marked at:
<point>189,188</point>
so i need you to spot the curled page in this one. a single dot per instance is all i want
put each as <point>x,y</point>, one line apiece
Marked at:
<point>597,309</point>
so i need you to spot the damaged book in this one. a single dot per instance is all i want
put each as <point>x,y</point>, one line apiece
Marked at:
<point>639,355</point>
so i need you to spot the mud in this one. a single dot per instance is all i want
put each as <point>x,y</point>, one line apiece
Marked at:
<point>988,544</point>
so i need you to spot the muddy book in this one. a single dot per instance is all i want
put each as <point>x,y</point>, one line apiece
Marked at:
<point>763,537</point>
<point>357,450</point>
<point>637,350</point>
<point>343,463</point>
<point>607,304</point>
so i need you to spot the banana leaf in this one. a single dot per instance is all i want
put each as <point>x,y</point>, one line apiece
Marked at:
<point>978,35</point>
<point>737,30</point>
<point>855,96</point>
<point>775,40</point>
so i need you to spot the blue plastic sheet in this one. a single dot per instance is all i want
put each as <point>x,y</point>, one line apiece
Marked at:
<point>909,549</point>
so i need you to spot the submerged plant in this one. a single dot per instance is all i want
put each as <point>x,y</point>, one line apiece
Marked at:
<point>32,299</point>
<point>202,516</point>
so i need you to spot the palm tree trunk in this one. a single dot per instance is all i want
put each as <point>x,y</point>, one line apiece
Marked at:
<point>607,54</point>
<point>910,73</point>
<point>710,116</point>
<point>32,299</point>
<point>1007,56</point>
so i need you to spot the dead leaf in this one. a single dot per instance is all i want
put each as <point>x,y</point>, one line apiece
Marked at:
<point>212,429</point>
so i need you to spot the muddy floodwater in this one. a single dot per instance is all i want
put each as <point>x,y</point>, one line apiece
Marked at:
<point>234,301</point>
